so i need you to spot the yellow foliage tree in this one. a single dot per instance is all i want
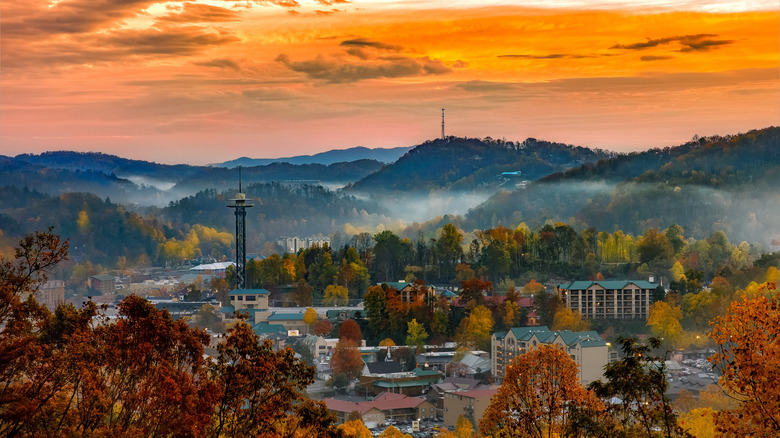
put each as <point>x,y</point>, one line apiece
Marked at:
<point>464,428</point>
<point>698,422</point>
<point>567,319</point>
<point>393,432</point>
<point>335,295</point>
<point>475,330</point>
<point>310,316</point>
<point>678,272</point>
<point>749,358</point>
<point>664,321</point>
<point>387,342</point>
<point>354,429</point>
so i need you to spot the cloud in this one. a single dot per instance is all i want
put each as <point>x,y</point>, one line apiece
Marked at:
<point>331,2</point>
<point>365,42</point>
<point>177,41</point>
<point>655,58</point>
<point>195,12</point>
<point>336,71</point>
<point>550,56</point>
<point>221,63</point>
<point>330,12</point>
<point>699,42</point>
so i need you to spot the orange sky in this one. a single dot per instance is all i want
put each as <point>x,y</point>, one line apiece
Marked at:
<point>203,82</point>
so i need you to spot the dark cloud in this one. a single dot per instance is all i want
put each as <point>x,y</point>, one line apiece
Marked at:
<point>221,63</point>
<point>330,12</point>
<point>699,42</point>
<point>365,42</point>
<point>177,41</point>
<point>550,56</point>
<point>655,58</point>
<point>340,72</point>
<point>196,13</point>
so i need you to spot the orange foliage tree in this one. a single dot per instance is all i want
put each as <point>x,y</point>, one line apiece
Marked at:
<point>540,397</point>
<point>749,360</point>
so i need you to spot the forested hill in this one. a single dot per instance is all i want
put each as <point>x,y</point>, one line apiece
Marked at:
<point>108,164</point>
<point>713,161</point>
<point>713,183</point>
<point>223,178</point>
<point>469,163</point>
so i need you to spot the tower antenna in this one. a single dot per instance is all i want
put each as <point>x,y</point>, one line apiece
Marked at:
<point>442,123</point>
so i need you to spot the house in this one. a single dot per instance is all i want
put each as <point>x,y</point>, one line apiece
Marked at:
<point>52,293</point>
<point>587,349</point>
<point>106,284</point>
<point>378,377</point>
<point>249,299</point>
<point>451,384</point>
<point>471,404</point>
<point>371,415</point>
<point>385,406</point>
<point>212,269</point>
<point>611,299</point>
<point>410,291</point>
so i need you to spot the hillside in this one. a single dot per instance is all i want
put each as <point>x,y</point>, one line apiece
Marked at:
<point>467,164</point>
<point>712,183</point>
<point>223,178</point>
<point>388,155</point>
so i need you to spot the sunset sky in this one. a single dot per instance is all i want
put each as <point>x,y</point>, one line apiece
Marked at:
<point>207,81</point>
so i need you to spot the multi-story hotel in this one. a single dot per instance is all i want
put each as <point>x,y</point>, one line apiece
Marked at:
<point>614,299</point>
<point>587,349</point>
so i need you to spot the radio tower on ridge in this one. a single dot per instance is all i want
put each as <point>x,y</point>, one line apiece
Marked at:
<point>240,204</point>
<point>442,123</point>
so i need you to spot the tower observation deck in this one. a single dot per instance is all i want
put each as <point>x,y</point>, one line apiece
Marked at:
<point>240,205</point>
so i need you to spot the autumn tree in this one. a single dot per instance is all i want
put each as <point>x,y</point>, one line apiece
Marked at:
<point>416,335</point>
<point>540,397</point>
<point>346,359</point>
<point>473,291</point>
<point>349,330</point>
<point>474,331</point>
<point>637,383</point>
<point>749,359</point>
<point>262,391</point>
<point>532,288</point>
<point>355,429</point>
<point>303,295</point>
<point>663,318</point>
<point>310,316</point>
<point>567,319</point>
<point>335,296</point>
<point>322,327</point>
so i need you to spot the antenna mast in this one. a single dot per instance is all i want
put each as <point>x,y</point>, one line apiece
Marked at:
<point>442,123</point>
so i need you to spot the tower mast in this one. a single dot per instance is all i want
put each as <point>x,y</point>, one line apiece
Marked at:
<point>442,123</point>
<point>240,205</point>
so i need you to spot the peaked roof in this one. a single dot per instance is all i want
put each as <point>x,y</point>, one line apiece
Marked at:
<point>283,316</point>
<point>104,277</point>
<point>384,367</point>
<point>249,292</point>
<point>398,285</point>
<point>525,333</point>
<point>607,284</point>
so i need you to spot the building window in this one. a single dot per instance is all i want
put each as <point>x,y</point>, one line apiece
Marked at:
<point>251,298</point>
<point>240,298</point>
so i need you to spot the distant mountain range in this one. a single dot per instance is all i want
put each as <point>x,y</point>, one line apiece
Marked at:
<point>713,183</point>
<point>388,155</point>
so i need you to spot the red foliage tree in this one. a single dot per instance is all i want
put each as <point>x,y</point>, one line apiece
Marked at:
<point>350,331</point>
